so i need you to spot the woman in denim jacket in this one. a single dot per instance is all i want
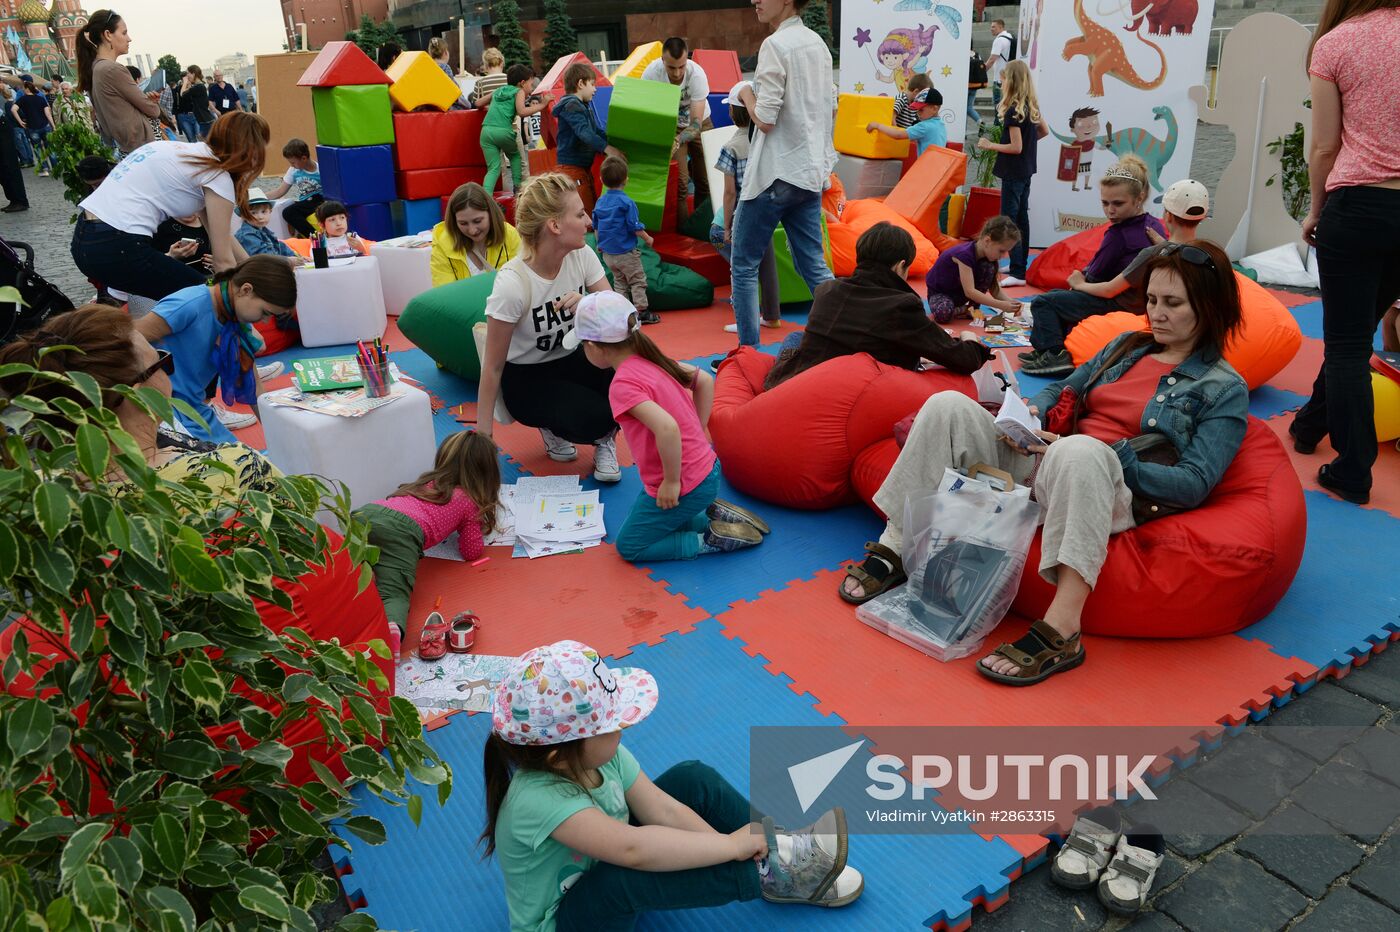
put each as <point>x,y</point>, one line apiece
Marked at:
<point>1171,382</point>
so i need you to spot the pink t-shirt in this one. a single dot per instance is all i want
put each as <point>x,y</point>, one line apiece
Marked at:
<point>1360,57</point>
<point>458,514</point>
<point>636,381</point>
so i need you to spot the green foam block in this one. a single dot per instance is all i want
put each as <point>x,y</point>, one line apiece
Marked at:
<point>791,286</point>
<point>439,322</point>
<point>353,115</point>
<point>642,123</point>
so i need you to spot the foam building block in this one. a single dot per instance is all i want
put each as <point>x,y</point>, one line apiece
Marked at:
<point>553,80</point>
<point>920,194</point>
<point>721,67</point>
<point>436,182</point>
<point>853,112</point>
<point>642,123</point>
<point>633,65</point>
<point>357,174</point>
<point>419,82</point>
<point>719,110</point>
<point>339,64</point>
<point>867,177</point>
<point>372,221</point>
<point>792,287</point>
<point>358,115</point>
<point>438,140</point>
<point>418,216</point>
<point>601,98</point>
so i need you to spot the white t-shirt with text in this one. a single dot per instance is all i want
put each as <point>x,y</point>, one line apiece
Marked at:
<point>539,326</point>
<point>155,183</point>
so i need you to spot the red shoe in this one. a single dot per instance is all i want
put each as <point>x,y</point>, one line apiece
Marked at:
<point>462,634</point>
<point>434,640</point>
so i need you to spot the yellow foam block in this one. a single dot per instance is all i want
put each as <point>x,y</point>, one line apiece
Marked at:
<point>853,112</point>
<point>636,63</point>
<point>418,82</point>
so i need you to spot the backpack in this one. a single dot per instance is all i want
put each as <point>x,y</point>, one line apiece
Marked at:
<point>43,299</point>
<point>1011,45</point>
<point>976,71</point>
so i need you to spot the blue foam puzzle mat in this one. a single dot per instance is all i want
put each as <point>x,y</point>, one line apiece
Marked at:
<point>1321,622</point>
<point>371,221</point>
<point>1309,318</point>
<point>1266,401</point>
<point>357,174</point>
<point>921,878</point>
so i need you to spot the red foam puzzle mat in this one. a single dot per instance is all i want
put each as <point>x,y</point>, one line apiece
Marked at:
<point>1385,490</point>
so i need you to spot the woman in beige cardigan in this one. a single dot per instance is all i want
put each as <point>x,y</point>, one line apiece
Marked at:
<point>123,113</point>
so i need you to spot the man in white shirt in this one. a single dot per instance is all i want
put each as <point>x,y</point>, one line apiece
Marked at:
<point>790,159</point>
<point>1003,51</point>
<point>692,119</point>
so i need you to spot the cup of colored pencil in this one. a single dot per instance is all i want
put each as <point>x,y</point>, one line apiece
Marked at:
<point>373,360</point>
<point>320,258</point>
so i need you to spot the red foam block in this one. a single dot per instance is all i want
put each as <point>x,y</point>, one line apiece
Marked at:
<point>340,64</point>
<point>426,140</point>
<point>436,182</point>
<point>695,254</point>
<point>721,67</point>
<point>553,81</point>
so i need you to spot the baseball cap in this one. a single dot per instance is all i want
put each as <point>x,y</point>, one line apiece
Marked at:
<point>603,317</point>
<point>734,91</point>
<point>925,98</point>
<point>564,692</point>
<point>1187,199</point>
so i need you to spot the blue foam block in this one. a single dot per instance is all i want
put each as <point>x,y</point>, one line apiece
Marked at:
<point>601,98</point>
<point>1320,621</point>
<point>719,110</point>
<point>918,876</point>
<point>421,215</point>
<point>357,174</point>
<point>372,221</point>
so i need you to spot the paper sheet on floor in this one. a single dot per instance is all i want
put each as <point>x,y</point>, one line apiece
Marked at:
<point>461,682</point>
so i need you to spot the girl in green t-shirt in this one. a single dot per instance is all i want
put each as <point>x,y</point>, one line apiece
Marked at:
<point>498,128</point>
<point>586,840</point>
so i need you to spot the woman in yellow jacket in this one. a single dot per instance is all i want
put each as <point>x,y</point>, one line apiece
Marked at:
<point>473,236</point>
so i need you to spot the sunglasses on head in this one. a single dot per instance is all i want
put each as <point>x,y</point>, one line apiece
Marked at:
<point>164,362</point>
<point>1192,254</point>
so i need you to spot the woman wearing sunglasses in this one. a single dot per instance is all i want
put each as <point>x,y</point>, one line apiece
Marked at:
<point>209,329</point>
<point>123,112</point>
<point>110,349</point>
<point>1144,429</point>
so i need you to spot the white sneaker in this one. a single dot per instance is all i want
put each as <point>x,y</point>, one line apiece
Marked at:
<point>559,449</point>
<point>234,420</point>
<point>731,328</point>
<point>605,468</point>
<point>1011,281</point>
<point>271,370</point>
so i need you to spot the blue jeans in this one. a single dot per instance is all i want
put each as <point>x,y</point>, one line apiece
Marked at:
<point>972,113</point>
<point>189,126</point>
<point>996,103</point>
<point>128,262</point>
<point>650,534</point>
<point>22,147</point>
<point>767,274</point>
<point>1016,204</point>
<point>800,213</point>
<point>39,139</point>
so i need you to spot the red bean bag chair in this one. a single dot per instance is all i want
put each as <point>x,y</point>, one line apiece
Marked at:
<point>275,339</point>
<point>1201,573</point>
<point>1266,342</point>
<point>326,605</point>
<point>795,445</point>
<point>1050,269</point>
<point>860,215</point>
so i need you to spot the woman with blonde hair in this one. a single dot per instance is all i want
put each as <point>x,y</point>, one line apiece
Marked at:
<point>1354,220</point>
<point>544,382</point>
<point>473,236</point>
<point>493,76</point>
<point>112,238</point>
<point>1022,129</point>
<point>123,113</point>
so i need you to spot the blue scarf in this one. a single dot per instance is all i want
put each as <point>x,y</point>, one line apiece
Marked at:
<point>233,353</point>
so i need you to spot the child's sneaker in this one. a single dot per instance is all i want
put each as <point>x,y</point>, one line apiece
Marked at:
<point>727,536</point>
<point>720,510</point>
<point>809,865</point>
<point>1088,848</point>
<point>1011,281</point>
<point>270,371</point>
<point>234,420</point>
<point>648,317</point>
<point>558,449</point>
<point>1127,881</point>
<point>605,468</point>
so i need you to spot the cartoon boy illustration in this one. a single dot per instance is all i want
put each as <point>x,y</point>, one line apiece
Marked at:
<point>1077,156</point>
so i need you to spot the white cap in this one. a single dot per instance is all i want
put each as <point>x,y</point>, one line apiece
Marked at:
<point>733,97</point>
<point>1187,199</point>
<point>602,317</point>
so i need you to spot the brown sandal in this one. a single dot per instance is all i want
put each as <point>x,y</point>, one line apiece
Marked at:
<point>873,575</point>
<point>1054,653</point>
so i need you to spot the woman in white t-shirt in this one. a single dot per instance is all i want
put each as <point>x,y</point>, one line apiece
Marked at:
<point>530,310</point>
<point>112,240</point>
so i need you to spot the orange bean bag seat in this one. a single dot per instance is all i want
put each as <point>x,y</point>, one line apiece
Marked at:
<point>1266,342</point>
<point>795,445</point>
<point>860,215</point>
<point>1051,267</point>
<point>1201,573</point>
<point>326,604</point>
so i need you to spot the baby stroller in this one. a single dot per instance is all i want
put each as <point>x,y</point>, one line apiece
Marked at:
<point>42,298</point>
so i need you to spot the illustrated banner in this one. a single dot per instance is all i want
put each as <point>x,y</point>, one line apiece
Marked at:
<point>884,44</point>
<point>1113,80</point>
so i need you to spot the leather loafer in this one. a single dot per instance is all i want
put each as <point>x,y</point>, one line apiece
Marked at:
<point>1324,479</point>
<point>13,208</point>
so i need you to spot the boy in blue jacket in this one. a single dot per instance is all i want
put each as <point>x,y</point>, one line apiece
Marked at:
<point>580,138</point>
<point>254,236</point>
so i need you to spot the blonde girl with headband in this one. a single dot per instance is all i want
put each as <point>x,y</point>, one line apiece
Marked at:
<point>1022,129</point>
<point>544,382</point>
<point>1123,193</point>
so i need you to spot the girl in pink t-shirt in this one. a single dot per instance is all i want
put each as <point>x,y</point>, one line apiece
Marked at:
<point>662,407</point>
<point>458,494</point>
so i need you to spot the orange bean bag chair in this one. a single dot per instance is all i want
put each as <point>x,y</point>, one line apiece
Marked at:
<point>1051,267</point>
<point>326,604</point>
<point>1266,342</point>
<point>860,215</point>
<point>795,445</point>
<point>1201,573</point>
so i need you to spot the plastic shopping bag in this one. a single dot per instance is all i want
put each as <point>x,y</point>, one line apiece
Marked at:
<point>995,379</point>
<point>965,547</point>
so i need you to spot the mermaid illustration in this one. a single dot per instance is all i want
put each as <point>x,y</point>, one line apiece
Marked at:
<point>904,52</point>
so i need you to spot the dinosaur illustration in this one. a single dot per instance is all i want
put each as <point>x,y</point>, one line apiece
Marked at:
<point>1165,17</point>
<point>1155,152</point>
<point>1106,56</point>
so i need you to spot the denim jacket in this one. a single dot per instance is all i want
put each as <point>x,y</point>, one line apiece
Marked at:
<point>257,241</point>
<point>1201,406</point>
<point>579,137</point>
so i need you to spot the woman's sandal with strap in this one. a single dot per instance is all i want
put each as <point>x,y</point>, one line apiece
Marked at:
<point>1040,654</point>
<point>881,571</point>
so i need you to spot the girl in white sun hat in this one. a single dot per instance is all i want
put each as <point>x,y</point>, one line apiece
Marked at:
<point>587,842</point>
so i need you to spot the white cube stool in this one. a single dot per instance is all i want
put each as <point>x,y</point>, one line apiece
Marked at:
<point>278,223</point>
<point>372,454</point>
<point>341,304</point>
<point>404,272</point>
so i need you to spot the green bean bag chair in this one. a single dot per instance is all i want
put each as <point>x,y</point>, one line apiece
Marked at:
<point>669,287</point>
<point>439,322</point>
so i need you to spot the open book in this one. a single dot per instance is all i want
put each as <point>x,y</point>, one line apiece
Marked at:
<point>1015,421</point>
